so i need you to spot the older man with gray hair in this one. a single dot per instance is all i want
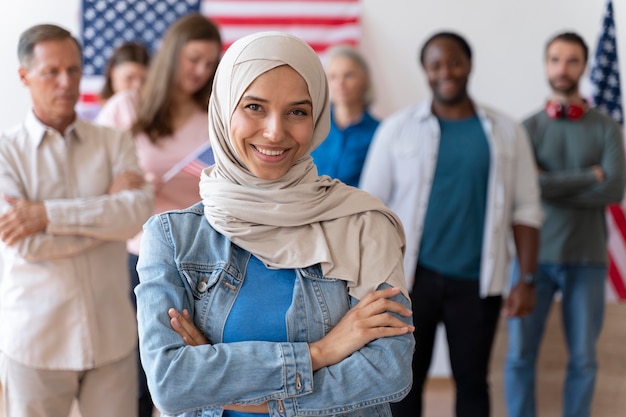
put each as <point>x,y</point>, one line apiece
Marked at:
<point>72,193</point>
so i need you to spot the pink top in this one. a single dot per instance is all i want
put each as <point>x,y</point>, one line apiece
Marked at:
<point>179,189</point>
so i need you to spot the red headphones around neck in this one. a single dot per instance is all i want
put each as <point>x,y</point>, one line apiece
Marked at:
<point>558,110</point>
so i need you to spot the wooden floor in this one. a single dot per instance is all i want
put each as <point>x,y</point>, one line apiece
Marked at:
<point>610,397</point>
<point>610,394</point>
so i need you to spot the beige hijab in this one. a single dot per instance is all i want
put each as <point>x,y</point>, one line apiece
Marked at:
<point>300,219</point>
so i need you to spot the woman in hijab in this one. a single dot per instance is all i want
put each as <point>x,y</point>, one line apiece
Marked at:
<point>285,290</point>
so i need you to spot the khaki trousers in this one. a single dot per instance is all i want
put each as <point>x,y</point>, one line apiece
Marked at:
<point>110,390</point>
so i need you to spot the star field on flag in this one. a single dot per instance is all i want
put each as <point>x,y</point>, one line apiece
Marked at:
<point>607,94</point>
<point>105,24</point>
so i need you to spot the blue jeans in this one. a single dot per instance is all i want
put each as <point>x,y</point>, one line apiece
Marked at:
<point>582,289</point>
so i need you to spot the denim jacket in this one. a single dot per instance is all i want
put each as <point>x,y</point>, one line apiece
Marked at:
<point>185,263</point>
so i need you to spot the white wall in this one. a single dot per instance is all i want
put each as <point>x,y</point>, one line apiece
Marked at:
<point>14,99</point>
<point>507,37</point>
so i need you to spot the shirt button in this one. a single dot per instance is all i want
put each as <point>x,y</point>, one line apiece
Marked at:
<point>202,286</point>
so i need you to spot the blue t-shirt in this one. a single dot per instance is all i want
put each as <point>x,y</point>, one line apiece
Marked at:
<point>454,225</point>
<point>260,309</point>
<point>343,152</point>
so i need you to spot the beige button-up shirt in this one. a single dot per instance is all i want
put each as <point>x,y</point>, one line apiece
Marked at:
<point>64,294</point>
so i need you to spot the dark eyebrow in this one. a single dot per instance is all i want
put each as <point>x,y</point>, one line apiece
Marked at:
<point>306,102</point>
<point>253,98</point>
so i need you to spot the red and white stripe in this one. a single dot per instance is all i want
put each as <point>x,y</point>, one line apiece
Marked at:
<point>89,102</point>
<point>321,23</point>
<point>194,168</point>
<point>616,225</point>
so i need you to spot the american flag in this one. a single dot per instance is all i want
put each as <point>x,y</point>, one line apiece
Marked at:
<point>107,23</point>
<point>607,96</point>
<point>192,164</point>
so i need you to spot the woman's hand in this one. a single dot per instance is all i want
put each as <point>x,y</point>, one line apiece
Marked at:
<point>366,321</point>
<point>183,325</point>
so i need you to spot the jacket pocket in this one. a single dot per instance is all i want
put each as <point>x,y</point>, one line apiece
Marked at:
<point>200,281</point>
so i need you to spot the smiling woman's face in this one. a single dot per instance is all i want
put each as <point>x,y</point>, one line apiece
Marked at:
<point>272,125</point>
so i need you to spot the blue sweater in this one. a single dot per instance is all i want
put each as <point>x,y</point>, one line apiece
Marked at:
<point>343,152</point>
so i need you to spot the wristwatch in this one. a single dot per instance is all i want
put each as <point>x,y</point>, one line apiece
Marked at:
<point>528,278</point>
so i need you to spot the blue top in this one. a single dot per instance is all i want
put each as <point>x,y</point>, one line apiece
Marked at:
<point>260,309</point>
<point>185,263</point>
<point>343,152</point>
<point>455,219</point>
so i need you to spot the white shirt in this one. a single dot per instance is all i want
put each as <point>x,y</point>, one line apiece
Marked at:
<point>400,168</point>
<point>64,294</point>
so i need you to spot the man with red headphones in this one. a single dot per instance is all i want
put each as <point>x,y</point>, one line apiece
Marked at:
<point>579,153</point>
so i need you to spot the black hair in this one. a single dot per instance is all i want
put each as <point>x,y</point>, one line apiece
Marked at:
<point>447,35</point>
